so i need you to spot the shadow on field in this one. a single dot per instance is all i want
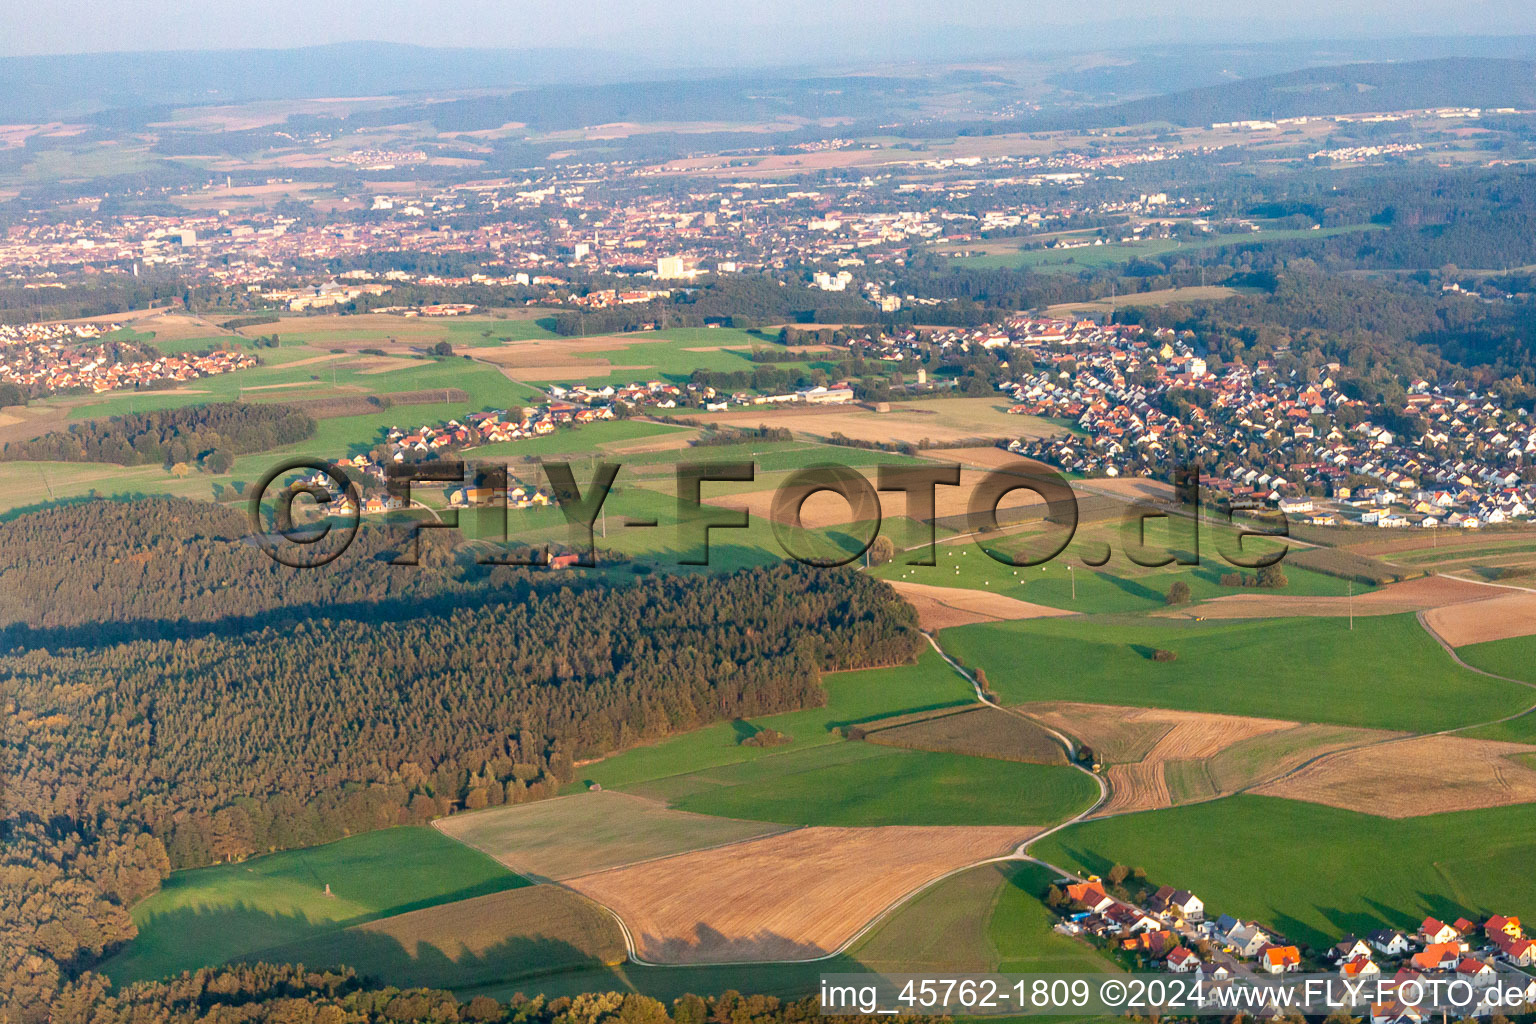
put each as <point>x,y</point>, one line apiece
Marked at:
<point>483,940</point>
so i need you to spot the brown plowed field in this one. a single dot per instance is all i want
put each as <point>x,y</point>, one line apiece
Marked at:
<point>1140,744</point>
<point>942,607</point>
<point>794,896</point>
<point>1415,776</point>
<point>1508,613</point>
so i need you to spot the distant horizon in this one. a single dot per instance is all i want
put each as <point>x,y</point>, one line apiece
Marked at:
<point>996,53</point>
<point>695,33</point>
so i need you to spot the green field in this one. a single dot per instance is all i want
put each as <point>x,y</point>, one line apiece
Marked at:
<point>1514,657</point>
<point>232,911</point>
<point>855,783</point>
<point>1315,872</point>
<point>1386,672</point>
<point>481,941</point>
<point>586,832</point>
<point>979,731</point>
<point>852,697</point>
<point>984,920</point>
<point>1119,586</point>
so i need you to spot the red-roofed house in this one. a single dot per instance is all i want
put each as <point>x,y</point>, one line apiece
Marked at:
<point>1440,956</point>
<point>1476,971</point>
<point>1499,923</point>
<point>1280,959</point>
<point>1089,895</point>
<point>1182,960</point>
<point>1520,952</point>
<point>1434,930</point>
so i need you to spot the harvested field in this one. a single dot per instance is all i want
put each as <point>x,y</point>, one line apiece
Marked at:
<point>472,942</point>
<point>176,326</point>
<point>1389,543</point>
<point>1115,734</point>
<point>370,365</point>
<point>674,440</point>
<point>943,422</point>
<point>285,384</point>
<point>825,508</point>
<point>310,361</point>
<point>1147,741</point>
<point>562,352</point>
<point>573,372</point>
<point>1266,756</point>
<point>981,457</point>
<point>586,832</point>
<point>1191,293</point>
<point>1419,775</point>
<point>1392,599</point>
<point>795,896</point>
<point>1351,565</point>
<point>1509,613</point>
<point>1129,488</point>
<point>942,607</point>
<point>975,731</point>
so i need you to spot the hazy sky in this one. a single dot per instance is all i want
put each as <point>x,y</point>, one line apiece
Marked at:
<point>774,29</point>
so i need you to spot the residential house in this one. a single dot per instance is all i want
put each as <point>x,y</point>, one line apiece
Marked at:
<point>1434,930</point>
<point>1182,960</point>
<point>1478,972</point>
<point>1520,952</point>
<point>1439,956</point>
<point>1349,948</point>
<point>1178,903</point>
<point>1248,940</point>
<point>1389,942</point>
<point>1358,967</point>
<point>1090,896</point>
<point>1509,926</point>
<point>1280,959</point>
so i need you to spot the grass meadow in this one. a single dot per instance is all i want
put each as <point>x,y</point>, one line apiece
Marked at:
<point>1315,872</point>
<point>1386,672</point>
<point>232,911</point>
<point>852,698</point>
<point>855,783</point>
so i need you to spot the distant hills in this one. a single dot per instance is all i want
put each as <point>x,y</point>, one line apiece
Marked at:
<point>1349,89</point>
<point>561,89</point>
<point>78,85</point>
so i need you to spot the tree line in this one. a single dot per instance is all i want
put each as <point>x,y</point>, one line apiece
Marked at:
<point>208,434</point>
<point>273,994</point>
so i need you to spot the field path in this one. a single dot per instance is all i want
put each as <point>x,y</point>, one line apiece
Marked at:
<point>1066,741</point>
<point>1021,853</point>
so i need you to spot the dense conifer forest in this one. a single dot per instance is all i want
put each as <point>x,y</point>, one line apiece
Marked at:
<point>212,434</point>
<point>233,714</point>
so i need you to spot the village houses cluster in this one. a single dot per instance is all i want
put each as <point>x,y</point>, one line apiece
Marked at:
<point>50,358</point>
<point>1144,402</point>
<point>1172,927</point>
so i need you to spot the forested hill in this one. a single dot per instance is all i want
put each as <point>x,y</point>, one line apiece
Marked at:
<point>1347,89</point>
<point>124,760</point>
<point>151,567</point>
<point>212,434</point>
